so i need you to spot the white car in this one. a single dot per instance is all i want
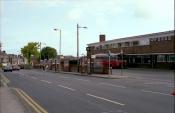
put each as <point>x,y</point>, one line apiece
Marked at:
<point>8,68</point>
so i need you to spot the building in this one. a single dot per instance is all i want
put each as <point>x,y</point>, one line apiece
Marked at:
<point>11,58</point>
<point>4,57</point>
<point>156,50</point>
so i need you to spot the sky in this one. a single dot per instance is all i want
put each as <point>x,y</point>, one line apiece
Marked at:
<point>23,21</point>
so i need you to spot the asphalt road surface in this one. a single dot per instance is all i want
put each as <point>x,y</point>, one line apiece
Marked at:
<point>144,91</point>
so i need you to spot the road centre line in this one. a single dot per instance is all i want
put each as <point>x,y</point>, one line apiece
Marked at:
<point>81,79</point>
<point>112,85</point>
<point>157,83</point>
<point>147,91</point>
<point>63,77</point>
<point>34,78</point>
<point>66,87</point>
<point>114,102</point>
<point>46,81</point>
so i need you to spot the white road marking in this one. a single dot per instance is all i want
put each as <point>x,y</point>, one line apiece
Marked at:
<point>63,77</point>
<point>112,85</point>
<point>171,86</point>
<point>34,78</point>
<point>46,81</point>
<point>66,87</point>
<point>81,79</point>
<point>159,83</point>
<point>114,102</point>
<point>147,91</point>
<point>164,83</point>
<point>21,74</point>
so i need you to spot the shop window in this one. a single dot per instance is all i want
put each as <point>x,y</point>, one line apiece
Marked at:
<point>100,47</point>
<point>119,45</point>
<point>107,46</point>
<point>104,47</point>
<point>127,44</point>
<point>162,39</point>
<point>146,59</point>
<point>110,45</point>
<point>135,43</point>
<point>161,58</point>
<point>150,39</point>
<point>159,39</point>
<point>171,58</point>
<point>138,59</point>
<point>166,38</point>
<point>169,38</point>
<point>116,45</point>
<point>155,39</point>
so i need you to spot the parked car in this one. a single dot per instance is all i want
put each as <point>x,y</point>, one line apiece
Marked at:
<point>7,68</point>
<point>15,67</point>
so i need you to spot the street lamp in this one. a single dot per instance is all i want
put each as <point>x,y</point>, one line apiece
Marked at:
<point>78,45</point>
<point>59,47</point>
<point>121,52</point>
<point>60,39</point>
<point>40,50</point>
<point>18,57</point>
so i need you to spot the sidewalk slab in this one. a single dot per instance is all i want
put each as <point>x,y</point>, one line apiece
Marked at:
<point>10,103</point>
<point>96,75</point>
<point>108,76</point>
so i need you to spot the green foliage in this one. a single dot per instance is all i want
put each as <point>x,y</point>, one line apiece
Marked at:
<point>31,49</point>
<point>48,53</point>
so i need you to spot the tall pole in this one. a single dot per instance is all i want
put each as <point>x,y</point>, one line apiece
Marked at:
<point>77,47</point>
<point>59,49</point>
<point>121,62</point>
<point>109,62</point>
<point>60,53</point>
<point>40,52</point>
<point>60,43</point>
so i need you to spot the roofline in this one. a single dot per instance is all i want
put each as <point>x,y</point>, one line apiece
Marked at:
<point>145,35</point>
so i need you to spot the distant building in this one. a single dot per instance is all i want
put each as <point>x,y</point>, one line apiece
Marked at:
<point>3,57</point>
<point>11,58</point>
<point>156,50</point>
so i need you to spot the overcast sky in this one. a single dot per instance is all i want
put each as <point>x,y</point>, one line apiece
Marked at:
<point>23,21</point>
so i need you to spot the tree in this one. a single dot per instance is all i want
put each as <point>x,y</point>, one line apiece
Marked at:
<point>31,49</point>
<point>48,53</point>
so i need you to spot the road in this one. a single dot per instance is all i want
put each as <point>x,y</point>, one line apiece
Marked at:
<point>142,92</point>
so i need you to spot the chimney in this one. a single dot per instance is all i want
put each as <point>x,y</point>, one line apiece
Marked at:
<point>102,38</point>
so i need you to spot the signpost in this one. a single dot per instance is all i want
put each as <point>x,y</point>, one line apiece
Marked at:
<point>109,66</point>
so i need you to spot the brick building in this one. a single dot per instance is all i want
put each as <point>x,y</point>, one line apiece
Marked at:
<point>156,50</point>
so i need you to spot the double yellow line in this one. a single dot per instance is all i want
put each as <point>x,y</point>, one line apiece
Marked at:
<point>30,101</point>
<point>4,80</point>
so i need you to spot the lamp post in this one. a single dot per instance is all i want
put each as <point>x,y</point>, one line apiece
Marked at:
<point>109,62</point>
<point>121,52</point>
<point>40,50</point>
<point>60,40</point>
<point>56,29</point>
<point>78,45</point>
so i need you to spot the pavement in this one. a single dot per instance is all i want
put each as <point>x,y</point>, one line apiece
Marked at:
<point>11,102</point>
<point>107,76</point>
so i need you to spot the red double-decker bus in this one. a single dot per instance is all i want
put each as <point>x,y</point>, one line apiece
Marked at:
<point>102,60</point>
